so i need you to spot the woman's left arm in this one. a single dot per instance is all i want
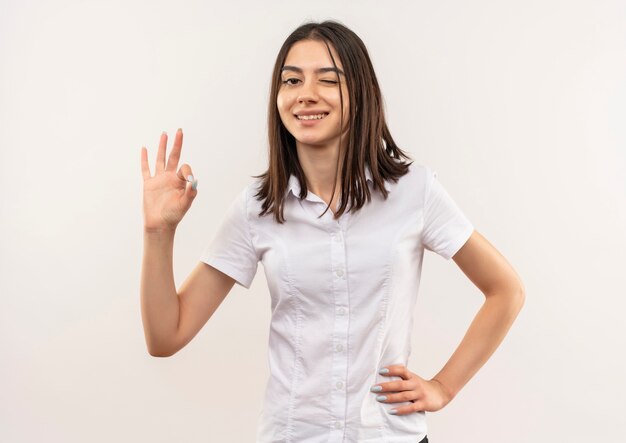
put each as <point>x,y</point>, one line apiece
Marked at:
<point>504,297</point>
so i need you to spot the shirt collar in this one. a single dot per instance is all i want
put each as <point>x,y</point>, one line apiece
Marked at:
<point>294,184</point>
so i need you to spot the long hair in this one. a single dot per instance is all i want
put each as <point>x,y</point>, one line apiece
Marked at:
<point>369,140</point>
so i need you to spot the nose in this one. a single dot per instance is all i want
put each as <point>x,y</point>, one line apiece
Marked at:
<point>308,92</point>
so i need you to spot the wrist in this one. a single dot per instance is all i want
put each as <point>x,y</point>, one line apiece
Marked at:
<point>159,232</point>
<point>448,393</point>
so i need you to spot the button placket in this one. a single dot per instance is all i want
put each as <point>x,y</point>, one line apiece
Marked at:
<point>340,331</point>
<point>336,237</point>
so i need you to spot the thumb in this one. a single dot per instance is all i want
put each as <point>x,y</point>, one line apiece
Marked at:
<point>191,191</point>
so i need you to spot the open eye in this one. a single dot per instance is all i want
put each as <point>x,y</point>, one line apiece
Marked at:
<point>289,80</point>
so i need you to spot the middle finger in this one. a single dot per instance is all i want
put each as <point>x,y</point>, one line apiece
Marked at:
<point>396,397</point>
<point>172,163</point>
<point>391,386</point>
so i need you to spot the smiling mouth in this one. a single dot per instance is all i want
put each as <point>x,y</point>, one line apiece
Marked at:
<point>312,117</point>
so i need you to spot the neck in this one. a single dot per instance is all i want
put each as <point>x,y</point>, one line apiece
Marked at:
<point>319,165</point>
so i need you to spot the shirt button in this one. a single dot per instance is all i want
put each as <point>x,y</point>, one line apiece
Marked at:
<point>337,425</point>
<point>339,272</point>
<point>341,311</point>
<point>339,385</point>
<point>339,347</point>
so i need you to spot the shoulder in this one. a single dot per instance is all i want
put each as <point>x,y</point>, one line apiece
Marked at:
<point>249,196</point>
<point>418,177</point>
<point>419,170</point>
<point>415,185</point>
<point>242,201</point>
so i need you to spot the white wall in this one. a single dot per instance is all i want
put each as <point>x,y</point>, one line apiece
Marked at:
<point>520,107</point>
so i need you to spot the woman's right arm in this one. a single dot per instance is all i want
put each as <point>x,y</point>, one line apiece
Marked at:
<point>159,300</point>
<point>170,318</point>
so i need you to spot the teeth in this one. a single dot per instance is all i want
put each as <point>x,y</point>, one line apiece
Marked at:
<point>311,117</point>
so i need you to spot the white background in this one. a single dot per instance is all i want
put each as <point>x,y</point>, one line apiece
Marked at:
<point>519,106</point>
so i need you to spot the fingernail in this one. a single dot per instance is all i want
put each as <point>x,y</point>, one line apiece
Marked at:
<point>393,411</point>
<point>383,371</point>
<point>381,398</point>
<point>164,133</point>
<point>194,185</point>
<point>190,178</point>
<point>376,388</point>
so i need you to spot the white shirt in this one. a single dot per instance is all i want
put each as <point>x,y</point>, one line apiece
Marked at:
<point>342,298</point>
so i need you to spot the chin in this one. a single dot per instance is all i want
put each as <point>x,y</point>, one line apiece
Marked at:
<point>308,143</point>
<point>313,141</point>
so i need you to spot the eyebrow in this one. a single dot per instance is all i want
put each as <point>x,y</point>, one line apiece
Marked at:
<point>319,71</point>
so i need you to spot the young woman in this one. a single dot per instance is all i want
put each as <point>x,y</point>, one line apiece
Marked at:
<point>340,221</point>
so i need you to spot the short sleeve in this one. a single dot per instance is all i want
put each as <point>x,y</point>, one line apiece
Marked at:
<point>231,251</point>
<point>446,228</point>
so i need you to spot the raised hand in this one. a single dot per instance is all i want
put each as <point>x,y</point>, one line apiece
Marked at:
<point>424,395</point>
<point>169,193</point>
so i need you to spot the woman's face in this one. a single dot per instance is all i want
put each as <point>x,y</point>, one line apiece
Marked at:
<point>308,91</point>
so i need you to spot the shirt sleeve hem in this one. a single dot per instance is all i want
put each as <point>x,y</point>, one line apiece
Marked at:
<point>223,266</point>
<point>464,235</point>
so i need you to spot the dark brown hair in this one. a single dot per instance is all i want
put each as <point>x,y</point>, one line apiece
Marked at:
<point>369,140</point>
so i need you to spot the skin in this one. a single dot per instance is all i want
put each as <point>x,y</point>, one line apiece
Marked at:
<point>504,297</point>
<point>317,145</point>
<point>167,197</point>
<point>318,148</point>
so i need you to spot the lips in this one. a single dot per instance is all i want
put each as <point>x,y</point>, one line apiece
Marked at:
<point>311,117</point>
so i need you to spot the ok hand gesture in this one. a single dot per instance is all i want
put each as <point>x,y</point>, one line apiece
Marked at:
<point>169,193</point>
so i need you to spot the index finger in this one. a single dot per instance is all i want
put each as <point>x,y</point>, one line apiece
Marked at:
<point>399,370</point>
